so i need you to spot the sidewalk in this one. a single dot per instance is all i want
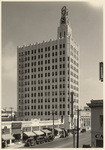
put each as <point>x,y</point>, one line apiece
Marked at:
<point>58,136</point>
<point>15,145</point>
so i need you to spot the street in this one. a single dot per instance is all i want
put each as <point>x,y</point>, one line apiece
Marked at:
<point>84,138</point>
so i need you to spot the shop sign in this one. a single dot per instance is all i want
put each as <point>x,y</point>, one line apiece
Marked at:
<point>16,125</point>
<point>6,131</point>
<point>99,136</point>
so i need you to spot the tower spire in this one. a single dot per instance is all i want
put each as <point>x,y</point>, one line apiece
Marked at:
<point>64,15</point>
<point>64,29</point>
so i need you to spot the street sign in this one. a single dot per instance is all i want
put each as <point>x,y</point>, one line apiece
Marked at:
<point>101,71</point>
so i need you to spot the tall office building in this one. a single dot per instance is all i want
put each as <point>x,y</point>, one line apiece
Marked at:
<point>47,74</point>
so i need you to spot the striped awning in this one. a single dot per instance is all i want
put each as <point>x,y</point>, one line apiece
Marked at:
<point>7,137</point>
<point>29,134</point>
<point>58,129</point>
<point>38,132</point>
<point>46,131</point>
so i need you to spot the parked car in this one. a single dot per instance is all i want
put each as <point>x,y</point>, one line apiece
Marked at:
<point>29,142</point>
<point>3,143</point>
<point>40,139</point>
<point>46,138</point>
<point>50,137</point>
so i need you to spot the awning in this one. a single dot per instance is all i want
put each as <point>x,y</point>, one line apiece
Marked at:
<point>7,137</point>
<point>38,132</point>
<point>58,129</point>
<point>46,131</point>
<point>29,134</point>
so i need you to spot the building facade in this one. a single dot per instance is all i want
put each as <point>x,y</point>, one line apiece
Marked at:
<point>85,118</point>
<point>96,123</point>
<point>47,73</point>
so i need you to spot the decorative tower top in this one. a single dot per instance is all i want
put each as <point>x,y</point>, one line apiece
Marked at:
<point>64,30</point>
<point>64,11</point>
<point>64,15</point>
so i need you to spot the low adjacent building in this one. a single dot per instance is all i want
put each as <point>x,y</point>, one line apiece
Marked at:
<point>96,123</point>
<point>7,115</point>
<point>14,129</point>
<point>85,118</point>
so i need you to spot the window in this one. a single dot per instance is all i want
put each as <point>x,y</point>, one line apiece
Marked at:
<point>45,61</point>
<point>48,54</point>
<point>55,59</point>
<point>45,48</point>
<point>48,48</point>
<point>52,60</point>
<point>60,59</point>
<point>41,49</point>
<point>63,105</point>
<point>63,112</point>
<point>55,66</point>
<point>52,47</point>
<point>60,45</point>
<point>34,50</point>
<point>60,52</point>
<point>53,54</point>
<point>55,46</point>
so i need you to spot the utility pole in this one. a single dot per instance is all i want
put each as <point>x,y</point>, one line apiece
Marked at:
<point>53,121</point>
<point>78,127</point>
<point>11,112</point>
<point>72,116</point>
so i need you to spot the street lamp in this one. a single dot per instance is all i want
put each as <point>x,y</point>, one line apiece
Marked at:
<point>78,110</point>
<point>72,118</point>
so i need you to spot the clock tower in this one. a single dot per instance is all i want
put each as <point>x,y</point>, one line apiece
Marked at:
<point>64,29</point>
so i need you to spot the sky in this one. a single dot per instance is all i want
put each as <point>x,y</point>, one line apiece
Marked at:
<point>25,23</point>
